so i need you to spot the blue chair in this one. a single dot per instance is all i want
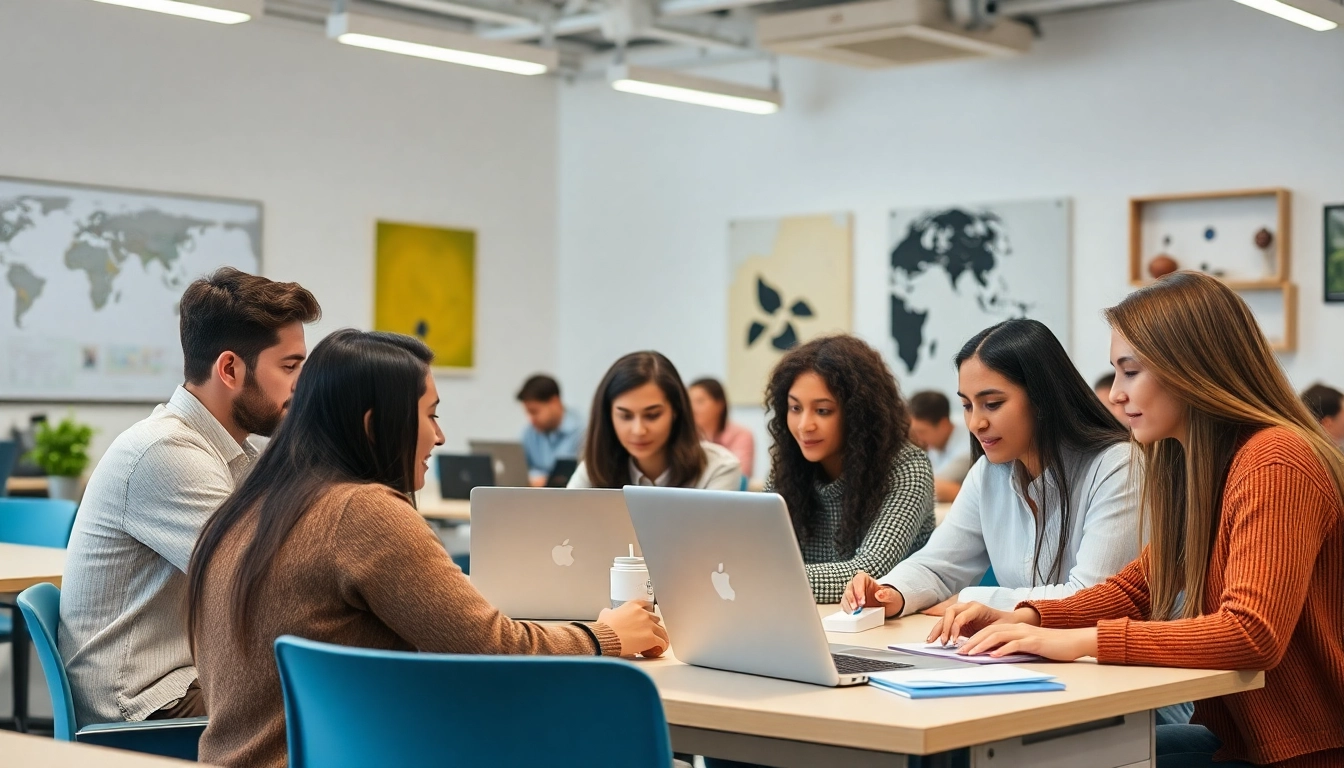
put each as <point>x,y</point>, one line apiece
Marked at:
<point>9,456</point>
<point>37,523</point>
<point>41,608</point>
<point>989,579</point>
<point>355,707</point>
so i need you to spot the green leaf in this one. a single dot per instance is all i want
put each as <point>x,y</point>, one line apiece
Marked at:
<point>62,450</point>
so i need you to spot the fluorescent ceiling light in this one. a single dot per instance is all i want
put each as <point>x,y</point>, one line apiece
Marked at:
<point>218,11</point>
<point>1319,15</point>
<point>440,44</point>
<point>665,84</point>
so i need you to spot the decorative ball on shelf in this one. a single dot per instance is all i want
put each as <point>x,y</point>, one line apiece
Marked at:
<point>1210,233</point>
<point>1264,238</point>
<point>1162,264</point>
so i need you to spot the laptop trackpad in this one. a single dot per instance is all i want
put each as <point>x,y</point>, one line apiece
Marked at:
<point>920,662</point>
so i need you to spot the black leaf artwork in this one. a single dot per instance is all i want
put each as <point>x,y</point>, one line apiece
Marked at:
<point>768,297</point>
<point>754,332</point>
<point>421,329</point>
<point>786,340</point>
<point>801,308</point>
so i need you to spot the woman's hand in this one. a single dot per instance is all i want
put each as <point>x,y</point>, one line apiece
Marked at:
<point>639,628</point>
<point>962,619</point>
<point>1057,644</point>
<point>864,592</point>
<point>941,608</point>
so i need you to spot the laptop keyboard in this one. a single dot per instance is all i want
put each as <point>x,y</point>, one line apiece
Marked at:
<point>859,665</point>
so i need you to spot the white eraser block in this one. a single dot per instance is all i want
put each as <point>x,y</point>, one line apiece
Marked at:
<point>868,618</point>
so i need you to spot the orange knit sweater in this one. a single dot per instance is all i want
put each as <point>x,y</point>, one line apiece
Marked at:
<point>1274,601</point>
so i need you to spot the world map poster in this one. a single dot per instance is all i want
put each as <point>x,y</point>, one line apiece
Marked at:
<point>956,270</point>
<point>90,279</point>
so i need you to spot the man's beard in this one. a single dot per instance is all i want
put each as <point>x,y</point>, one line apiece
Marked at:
<point>254,412</point>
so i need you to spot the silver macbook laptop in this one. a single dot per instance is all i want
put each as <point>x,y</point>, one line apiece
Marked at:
<point>510,461</point>
<point>733,590</point>
<point>546,553</point>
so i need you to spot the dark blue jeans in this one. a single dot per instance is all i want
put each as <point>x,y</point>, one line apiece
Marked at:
<point>1190,746</point>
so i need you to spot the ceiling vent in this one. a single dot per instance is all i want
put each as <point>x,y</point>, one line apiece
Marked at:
<point>887,33</point>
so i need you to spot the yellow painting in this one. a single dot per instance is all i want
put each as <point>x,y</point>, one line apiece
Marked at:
<point>790,281</point>
<point>425,286</point>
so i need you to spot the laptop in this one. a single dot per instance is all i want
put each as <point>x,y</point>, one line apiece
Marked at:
<point>459,473</point>
<point>561,472</point>
<point>546,553</point>
<point>734,593</point>
<point>510,461</point>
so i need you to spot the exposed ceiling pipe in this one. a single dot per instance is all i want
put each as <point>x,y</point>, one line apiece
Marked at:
<point>692,7</point>
<point>695,39</point>
<point>497,14</point>
<point>1038,7</point>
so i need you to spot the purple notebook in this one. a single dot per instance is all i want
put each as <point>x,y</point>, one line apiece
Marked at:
<point>950,652</point>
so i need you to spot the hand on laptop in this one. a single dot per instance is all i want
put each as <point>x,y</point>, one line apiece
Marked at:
<point>966,619</point>
<point>864,592</point>
<point>639,628</point>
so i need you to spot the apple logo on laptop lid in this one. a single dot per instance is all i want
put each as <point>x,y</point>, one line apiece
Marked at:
<point>563,553</point>
<point>721,584</point>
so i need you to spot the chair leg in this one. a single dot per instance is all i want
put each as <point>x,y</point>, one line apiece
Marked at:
<point>19,645</point>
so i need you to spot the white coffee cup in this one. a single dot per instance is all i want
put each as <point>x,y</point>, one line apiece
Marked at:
<point>630,580</point>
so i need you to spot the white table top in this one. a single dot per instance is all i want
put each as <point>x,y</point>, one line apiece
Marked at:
<point>864,717</point>
<point>435,508</point>
<point>45,752</point>
<point>22,566</point>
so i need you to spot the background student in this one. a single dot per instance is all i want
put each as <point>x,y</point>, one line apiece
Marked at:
<point>123,602</point>
<point>949,452</point>
<point>643,433</point>
<point>1245,563</point>
<point>859,492</point>
<point>1325,403</point>
<point>1054,461</point>
<point>552,432</point>
<point>322,541</point>
<point>710,405</point>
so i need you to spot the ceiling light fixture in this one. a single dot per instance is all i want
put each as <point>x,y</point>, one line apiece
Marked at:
<point>440,44</point>
<point>665,84</point>
<point>1318,15</point>
<point>218,11</point>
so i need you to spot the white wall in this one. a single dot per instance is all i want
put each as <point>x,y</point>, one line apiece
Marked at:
<point>328,137</point>
<point>1183,95</point>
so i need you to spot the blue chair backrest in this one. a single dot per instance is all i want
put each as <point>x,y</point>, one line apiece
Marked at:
<point>37,522</point>
<point>41,606</point>
<point>355,707</point>
<point>9,456</point>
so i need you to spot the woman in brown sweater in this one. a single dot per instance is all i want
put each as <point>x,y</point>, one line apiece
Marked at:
<point>322,541</point>
<point>1245,563</point>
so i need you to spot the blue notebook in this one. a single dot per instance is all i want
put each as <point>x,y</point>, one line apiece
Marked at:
<point>965,680</point>
<point>967,690</point>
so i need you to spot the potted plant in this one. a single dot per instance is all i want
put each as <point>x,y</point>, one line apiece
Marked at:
<point>62,452</point>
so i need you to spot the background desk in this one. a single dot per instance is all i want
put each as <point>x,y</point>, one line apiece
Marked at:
<point>777,722</point>
<point>22,566</point>
<point>447,510</point>
<point>27,486</point>
<point>45,752</point>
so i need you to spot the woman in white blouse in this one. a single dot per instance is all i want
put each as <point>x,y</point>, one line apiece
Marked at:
<point>643,433</point>
<point>1052,507</point>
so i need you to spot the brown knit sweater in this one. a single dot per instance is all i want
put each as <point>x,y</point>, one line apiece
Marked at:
<point>1274,601</point>
<point>362,569</point>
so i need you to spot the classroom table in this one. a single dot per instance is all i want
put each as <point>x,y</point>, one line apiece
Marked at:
<point>1103,719</point>
<point>45,752</point>
<point>22,566</point>
<point>447,510</point>
<point>27,486</point>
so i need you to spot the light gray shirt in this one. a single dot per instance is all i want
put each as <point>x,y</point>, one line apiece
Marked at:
<point>723,472</point>
<point>953,461</point>
<point>123,628</point>
<point>990,524</point>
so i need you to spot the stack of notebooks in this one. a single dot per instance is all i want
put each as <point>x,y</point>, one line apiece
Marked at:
<point>970,680</point>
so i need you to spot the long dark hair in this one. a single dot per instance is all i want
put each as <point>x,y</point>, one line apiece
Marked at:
<point>715,391</point>
<point>321,442</point>
<point>875,425</point>
<point>1066,412</point>
<point>606,460</point>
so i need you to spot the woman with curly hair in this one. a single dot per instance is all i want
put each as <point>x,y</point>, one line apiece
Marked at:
<point>1051,508</point>
<point>859,492</point>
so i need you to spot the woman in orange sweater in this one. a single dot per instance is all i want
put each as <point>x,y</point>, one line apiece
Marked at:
<point>1245,564</point>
